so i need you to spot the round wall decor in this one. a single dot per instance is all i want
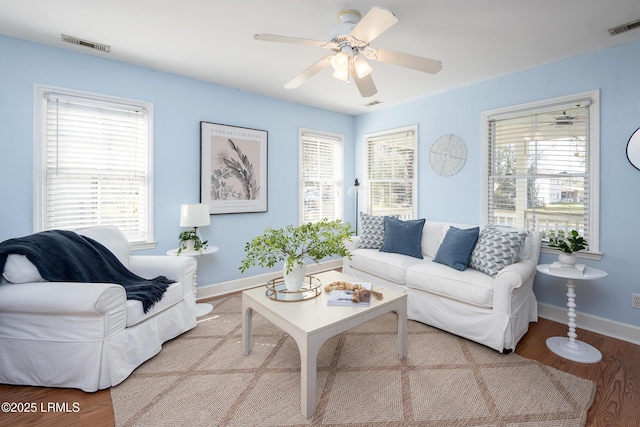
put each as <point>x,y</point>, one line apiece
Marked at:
<point>447,155</point>
<point>633,149</point>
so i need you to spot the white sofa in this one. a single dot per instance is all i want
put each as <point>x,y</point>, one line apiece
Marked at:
<point>494,311</point>
<point>88,335</point>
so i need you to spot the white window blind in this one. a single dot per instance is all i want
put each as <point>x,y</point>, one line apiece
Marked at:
<point>391,173</point>
<point>95,165</point>
<point>540,170</point>
<point>321,172</point>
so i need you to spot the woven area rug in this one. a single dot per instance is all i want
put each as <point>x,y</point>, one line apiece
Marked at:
<point>202,379</point>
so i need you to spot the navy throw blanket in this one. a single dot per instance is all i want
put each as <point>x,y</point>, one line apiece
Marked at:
<point>65,256</point>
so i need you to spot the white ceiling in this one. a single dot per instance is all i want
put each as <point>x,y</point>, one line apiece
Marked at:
<point>212,40</point>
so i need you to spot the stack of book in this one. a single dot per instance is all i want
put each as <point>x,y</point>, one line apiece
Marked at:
<point>350,298</point>
<point>577,270</point>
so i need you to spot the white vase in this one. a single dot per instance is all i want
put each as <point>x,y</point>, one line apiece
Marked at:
<point>294,279</point>
<point>568,260</point>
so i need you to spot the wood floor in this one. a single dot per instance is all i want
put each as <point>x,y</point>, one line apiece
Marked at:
<point>617,401</point>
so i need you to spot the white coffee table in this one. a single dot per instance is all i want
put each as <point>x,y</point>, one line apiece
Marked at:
<point>311,322</point>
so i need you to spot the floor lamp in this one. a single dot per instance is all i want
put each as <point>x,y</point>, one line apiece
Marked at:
<point>354,192</point>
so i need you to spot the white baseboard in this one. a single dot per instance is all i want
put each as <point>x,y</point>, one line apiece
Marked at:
<point>223,288</point>
<point>599,325</point>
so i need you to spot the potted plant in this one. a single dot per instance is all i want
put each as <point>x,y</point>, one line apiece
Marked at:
<point>314,240</point>
<point>567,246</point>
<point>190,241</point>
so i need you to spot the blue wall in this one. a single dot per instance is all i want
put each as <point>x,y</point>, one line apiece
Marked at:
<point>180,104</point>
<point>616,73</point>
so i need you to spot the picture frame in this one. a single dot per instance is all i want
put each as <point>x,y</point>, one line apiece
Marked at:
<point>233,168</point>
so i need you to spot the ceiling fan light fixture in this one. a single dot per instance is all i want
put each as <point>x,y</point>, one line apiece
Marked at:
<point>341,74</point>
<point>362,67</point>
<point>340,61</point>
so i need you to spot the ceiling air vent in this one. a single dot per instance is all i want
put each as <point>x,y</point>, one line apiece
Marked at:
<point>86,43</point>
<point>372,103</point>
<point>624,28</point>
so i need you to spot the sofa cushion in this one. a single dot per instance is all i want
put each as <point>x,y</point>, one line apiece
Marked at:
<point>497,248</point>
<point>457,247</point>
<point>403,237</point>
<point>110,237</point>
<point>389,266</point>
<point>470,286</point>
<point>172,296</point>
<point>527,248</point>
<point>372,234</point>
<point>432,235</point>
<point>18,269</point>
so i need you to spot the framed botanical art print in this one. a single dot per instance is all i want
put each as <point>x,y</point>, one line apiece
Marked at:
<point>233,168</point>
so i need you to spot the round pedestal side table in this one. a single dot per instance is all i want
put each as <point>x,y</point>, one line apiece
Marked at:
<point>570,348</point>
<point>201,308</point>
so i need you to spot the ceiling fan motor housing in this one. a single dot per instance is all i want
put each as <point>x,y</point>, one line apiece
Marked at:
<point>348,20</point>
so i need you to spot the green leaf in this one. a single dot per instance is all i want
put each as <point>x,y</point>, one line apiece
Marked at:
<point>293,245</point>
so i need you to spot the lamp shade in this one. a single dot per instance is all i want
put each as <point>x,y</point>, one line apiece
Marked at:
<point>363,69</point>
<point>194,215</point>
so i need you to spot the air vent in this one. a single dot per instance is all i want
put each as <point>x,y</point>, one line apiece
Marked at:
<point>86,43</point>
<point>624,28</point>
<point>372,103</point>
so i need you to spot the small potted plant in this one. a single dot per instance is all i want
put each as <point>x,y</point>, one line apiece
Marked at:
<point>567,246</point>
<point>190,241</point>
<point>314,240</point>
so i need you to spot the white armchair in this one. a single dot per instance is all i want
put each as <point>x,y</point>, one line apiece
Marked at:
<point>88,335</point>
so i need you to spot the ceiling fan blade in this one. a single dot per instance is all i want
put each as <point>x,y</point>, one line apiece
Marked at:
<point>365,85</point>
<point>309,72</point>
<point>294,40</point>
<point>374,23</point>
<point>419,63</point>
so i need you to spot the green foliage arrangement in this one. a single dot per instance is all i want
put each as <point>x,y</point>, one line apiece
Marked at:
<point>291,244</point>
<point>190,235</point>
<point>568,245</point>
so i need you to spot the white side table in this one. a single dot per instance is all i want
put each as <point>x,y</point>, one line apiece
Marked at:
<point>570,348</point>
<point>201,308</point>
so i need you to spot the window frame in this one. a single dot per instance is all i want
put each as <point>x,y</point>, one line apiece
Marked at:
<point>40,147</point>
<point>593,209</point>
<point>414,187</point>
<point>339,169</point>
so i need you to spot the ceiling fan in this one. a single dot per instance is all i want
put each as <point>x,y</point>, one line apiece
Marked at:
<point>567,119</point>
<point>349,41</point>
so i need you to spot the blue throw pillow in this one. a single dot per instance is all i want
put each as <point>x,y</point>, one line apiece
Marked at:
<point>457,247</point>
<point>403,237</point>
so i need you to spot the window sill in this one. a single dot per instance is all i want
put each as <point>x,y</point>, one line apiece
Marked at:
<point>596,256</point>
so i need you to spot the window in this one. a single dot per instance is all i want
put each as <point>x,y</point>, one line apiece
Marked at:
<point>321,176</point>
<point>391,186</point>
<point>541,166</point>
<point>93,163</point>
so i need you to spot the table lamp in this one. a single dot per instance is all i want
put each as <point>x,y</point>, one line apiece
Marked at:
<point>194,215</point>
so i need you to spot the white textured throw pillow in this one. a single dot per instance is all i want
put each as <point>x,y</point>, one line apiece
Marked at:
<point>497,248</point>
